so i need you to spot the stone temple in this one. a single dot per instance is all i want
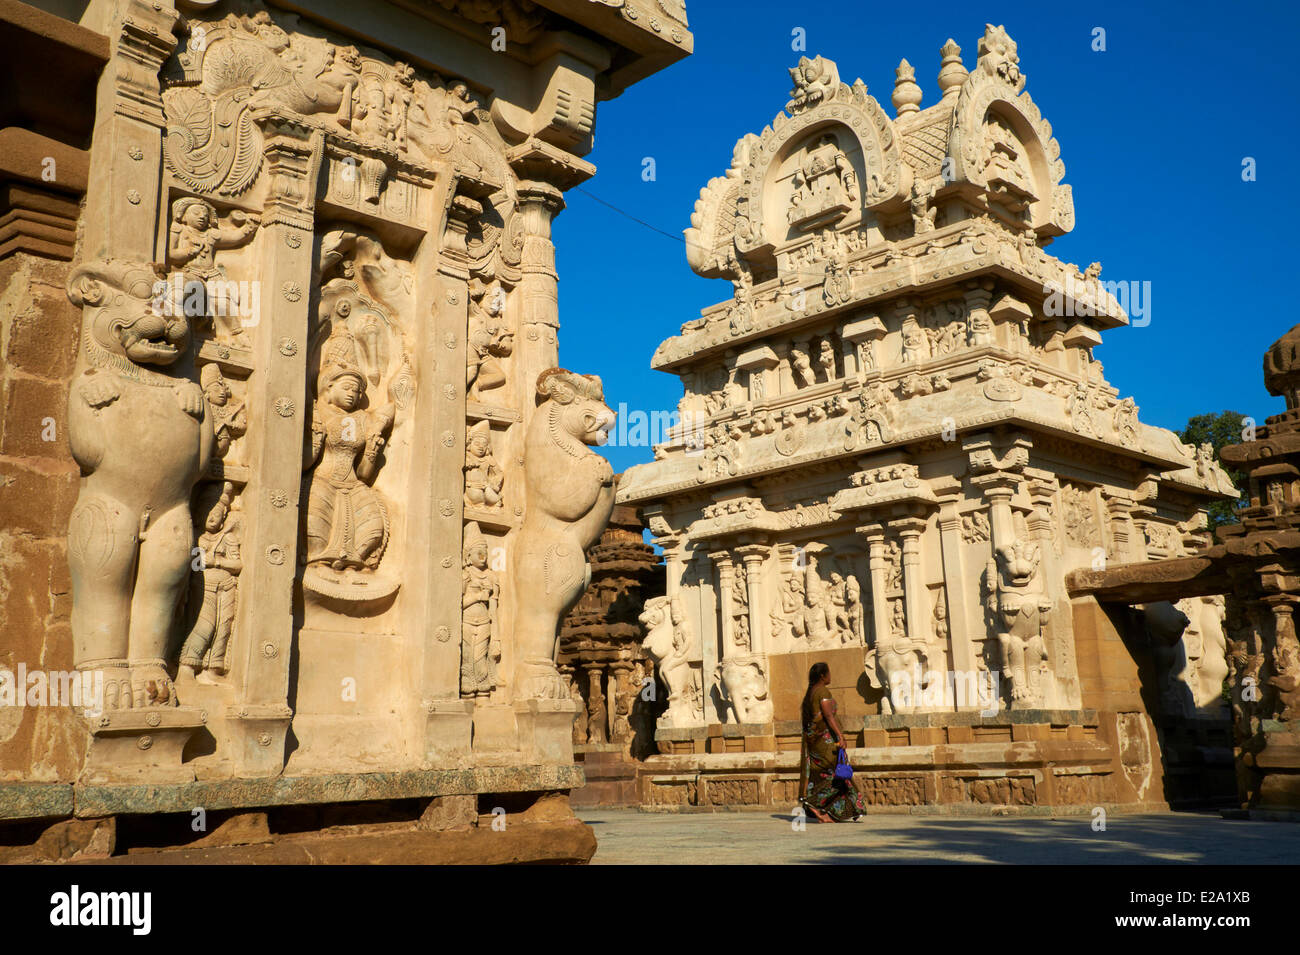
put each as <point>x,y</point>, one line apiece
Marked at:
<point>293,490</point>
<point>895,443</point>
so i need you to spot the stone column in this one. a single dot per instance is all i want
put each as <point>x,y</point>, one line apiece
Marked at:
<point>597,728</point>
<point>916,596</point>
<point>874,534</point>
<point>441,389</point>
<point>956,592</point>
<point>271,500</point>
<point>535,348</point>
<point>1120,511</point>
<point>753,556</point>
<point>726,581</point>
<point>125,206</point>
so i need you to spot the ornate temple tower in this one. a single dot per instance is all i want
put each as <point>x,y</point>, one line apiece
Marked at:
<point>894,443</point>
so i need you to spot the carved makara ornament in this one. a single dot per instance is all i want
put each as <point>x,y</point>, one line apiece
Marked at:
<point>480,648</point>
<point>139,431</point>
<point>569,497</point>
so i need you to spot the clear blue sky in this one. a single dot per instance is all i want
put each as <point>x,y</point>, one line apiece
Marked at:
<point>1153,132</point>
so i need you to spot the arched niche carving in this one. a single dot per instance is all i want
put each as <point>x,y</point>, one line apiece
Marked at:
<point>741,218</point>
<point>995,118</point>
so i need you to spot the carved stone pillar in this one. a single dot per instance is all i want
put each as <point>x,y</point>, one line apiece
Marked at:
<point>122,210</point>
<point>1120,512</point>
<point>874,535</point>
<point>437,603</point>
<point>916,599</point>
<point>278,386</point>
<point>753,556</point>
<point>956,592</point>
<point>536,349</point>
<point>597,708</point>
<point>726,582</point>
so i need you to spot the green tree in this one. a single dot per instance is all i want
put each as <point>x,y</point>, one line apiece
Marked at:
<point>1218,430</point>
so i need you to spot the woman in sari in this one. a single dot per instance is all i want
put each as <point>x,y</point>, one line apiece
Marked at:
<point>824,796</point>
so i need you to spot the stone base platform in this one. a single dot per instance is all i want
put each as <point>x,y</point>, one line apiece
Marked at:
<point>1031,761</point>
<point>1270,772</point>
<point>611,776</point>
<point>480,815</point>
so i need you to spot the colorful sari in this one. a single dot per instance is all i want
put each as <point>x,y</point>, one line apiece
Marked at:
<point>818,787</point>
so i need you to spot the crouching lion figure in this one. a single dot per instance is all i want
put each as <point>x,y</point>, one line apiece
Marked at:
<point>570,494</point>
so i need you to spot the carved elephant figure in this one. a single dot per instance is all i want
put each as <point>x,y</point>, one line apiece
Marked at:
<point>140,433</point>
<point>746,687</point>
<point>569,497</point>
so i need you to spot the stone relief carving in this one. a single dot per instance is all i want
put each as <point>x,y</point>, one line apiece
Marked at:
<point>744,682</point>
<point>484,478</point>
<point>220,563</point>
<point>1019,607</point>
<point>489,341</point>
<point>480,647</point>
<point>347,523</point>
<point>570,494</point>
<point>229,415</point>
<point>130,532</point>
<point>669,644</point>
<point>192,243</point>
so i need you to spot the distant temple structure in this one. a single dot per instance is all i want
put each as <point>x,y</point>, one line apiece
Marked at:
<point>611,674</point>
<point>895,443</point>
<point>1254,571</point>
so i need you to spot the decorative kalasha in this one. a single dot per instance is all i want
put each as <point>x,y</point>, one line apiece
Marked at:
<point>918,445</point>
<point>325,435</point>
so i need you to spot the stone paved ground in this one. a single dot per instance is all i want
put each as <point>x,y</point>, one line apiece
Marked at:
<point>626,836</point>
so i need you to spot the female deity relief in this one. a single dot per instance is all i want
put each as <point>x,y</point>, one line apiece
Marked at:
<point>480,648</point>
<point>347,522</point>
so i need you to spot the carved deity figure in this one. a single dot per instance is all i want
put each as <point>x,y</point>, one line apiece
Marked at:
<point>1019,609</point>
<point>141,436</point>
<point>347,522</point>
<point>229,417</point>
<point>826,359</point>
<point>669,645</point>
<point>580,717</point>
<point>922,209</point>
<point>205,647</point>
<point>569,496</point>
<point>480,646</point>
<point>489,340</point>
<point>192,243</point>
<point>916,344</point>
<point>483,476</point>
<point>801,365</point>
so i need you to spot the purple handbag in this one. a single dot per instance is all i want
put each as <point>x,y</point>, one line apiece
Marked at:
<point>842,768</point>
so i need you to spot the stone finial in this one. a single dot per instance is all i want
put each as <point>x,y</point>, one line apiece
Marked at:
<point>952,72</point>
<point>907,95</point>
